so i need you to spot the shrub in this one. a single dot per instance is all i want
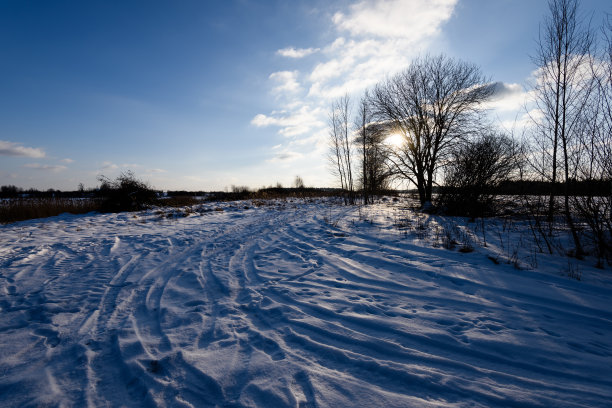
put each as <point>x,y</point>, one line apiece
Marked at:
<point>125,193</point>
<point>475,169</point>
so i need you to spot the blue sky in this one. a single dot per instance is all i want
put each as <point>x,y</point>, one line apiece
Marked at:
<point>202,95</point>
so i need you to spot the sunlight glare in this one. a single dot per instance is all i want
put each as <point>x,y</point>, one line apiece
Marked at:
<point>395,140</point>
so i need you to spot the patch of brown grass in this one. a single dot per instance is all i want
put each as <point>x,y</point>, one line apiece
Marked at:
<point>179,201</point>
<point>21,209</point>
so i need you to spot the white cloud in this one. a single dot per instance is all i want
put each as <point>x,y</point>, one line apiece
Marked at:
<point>395,18</point>
<point>291,52</point>
<point>294,123</point>
<point>16,149</point>
<point>286,80</point>
<point>68,161</point>
<point>46,167</point>
<point>521,120</point>
<point>329,69</point>
<point>262,120</point>
<point>581,64</point>
<point>383,36</point>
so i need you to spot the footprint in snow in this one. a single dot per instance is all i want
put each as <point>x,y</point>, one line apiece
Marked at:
<point>51,337</point>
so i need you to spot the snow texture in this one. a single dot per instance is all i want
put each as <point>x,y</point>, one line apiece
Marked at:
<point>291,304</point>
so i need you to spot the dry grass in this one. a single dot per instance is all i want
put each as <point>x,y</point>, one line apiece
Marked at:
<point>21,209</point>
<point>179,201</point>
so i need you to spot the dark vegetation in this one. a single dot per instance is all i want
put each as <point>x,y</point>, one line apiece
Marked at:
<point>126,193</point>
<point>272,193</point>
<point>475,169</point>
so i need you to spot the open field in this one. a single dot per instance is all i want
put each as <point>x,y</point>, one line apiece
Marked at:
<point>296,303</point>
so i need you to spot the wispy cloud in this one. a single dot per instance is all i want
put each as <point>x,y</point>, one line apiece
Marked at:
<point>291,52</point>
<point>46,167</point>
<point>288,156</point>
<point>17,149</point>
<point>286,81</point>
<point>293,122</point>
<point>109,166</point>
<point>68,161</point>
<point>156,171</point>
<point>508,97</point>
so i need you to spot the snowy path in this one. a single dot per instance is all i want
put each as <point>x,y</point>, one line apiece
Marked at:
<point>275,307</point>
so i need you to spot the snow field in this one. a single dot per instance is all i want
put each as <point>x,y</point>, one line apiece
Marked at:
<point>290,304</point>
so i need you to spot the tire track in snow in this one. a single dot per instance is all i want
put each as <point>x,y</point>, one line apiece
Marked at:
<point>485,365</point>
<point>135,331</point>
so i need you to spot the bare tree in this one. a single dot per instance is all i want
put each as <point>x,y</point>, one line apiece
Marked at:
<point>370,137</point>
<point>431,104</point>
<point>605,92</point>
<point>361,123</point>
<point>562,91</point>
<point>298,182</point>
<point>335,148</point>
<point>594,158</point>
<point>341,146</point>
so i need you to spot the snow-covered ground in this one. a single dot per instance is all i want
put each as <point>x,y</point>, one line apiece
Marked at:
<point>295,304</point>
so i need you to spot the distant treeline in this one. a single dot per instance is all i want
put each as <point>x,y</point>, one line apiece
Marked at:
<point>241,193</point>
<point>601,188</point>
<point>592,188</point>
<point>17,192</point>
<point>264,193</point>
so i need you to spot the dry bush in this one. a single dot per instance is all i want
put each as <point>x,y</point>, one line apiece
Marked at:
<point>125,193</point>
